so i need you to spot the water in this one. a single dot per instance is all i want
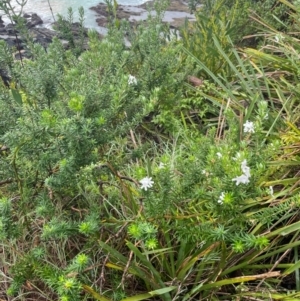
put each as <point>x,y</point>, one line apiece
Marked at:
<point>41,7</point>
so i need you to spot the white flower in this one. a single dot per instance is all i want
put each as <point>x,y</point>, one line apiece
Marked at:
<point>245,168</point>
<point>249,127</point>
<point>237,156</point>
<point>271,190</point>
<point>219,155</point>
<point>146,183</point>
<point>204,172</point>
<point>243,179</point>
<point>132,80</point>
<point>161,165</point>
<point>221,198</point>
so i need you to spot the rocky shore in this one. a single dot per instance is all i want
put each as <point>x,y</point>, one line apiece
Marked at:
<point>176,14</point>
<point>39,34</point>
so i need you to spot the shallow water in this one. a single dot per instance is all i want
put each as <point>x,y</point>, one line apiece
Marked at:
<point>41,7</point>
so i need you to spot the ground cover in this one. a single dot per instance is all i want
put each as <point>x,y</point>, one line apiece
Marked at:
<point>163,170</point>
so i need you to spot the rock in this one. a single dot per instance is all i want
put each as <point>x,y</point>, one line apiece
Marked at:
<point>175,14</point>
<point>175,5</point>
<point>3,31</point>
<point>32,20</point>
<point>44,41</point>
<point>25,54</point>
<point>15,42</point>
<point>10,29</point>
<point>1,22</point>
<point>5,77</point>
<point>102,21</point>
<point>76,29</point>
<point>41,35</point>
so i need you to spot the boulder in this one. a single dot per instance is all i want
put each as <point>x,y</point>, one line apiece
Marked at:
<point>5,77</point>
<point>1,22</point>
<point>41,35</point>
<point>15,42</point>
<point>24,54</point>
<point>32,20</point>
<point>175,15</point>
<point>10,29</point>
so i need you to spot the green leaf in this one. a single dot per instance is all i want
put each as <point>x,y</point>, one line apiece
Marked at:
<point>95,295</point>
<point>144,260</point>
<point>292,269</point>
<point>271,296</point>
<point>17,96</point>
<point>191,260</point>
<point>133,269</point>
<point>150,294</point>
<point>241,279</point>
<point>286,230</point>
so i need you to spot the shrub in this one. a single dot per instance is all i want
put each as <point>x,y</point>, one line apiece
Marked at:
<point>109,187</point>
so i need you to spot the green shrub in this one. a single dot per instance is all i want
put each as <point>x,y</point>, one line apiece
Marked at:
<point>110,187</point>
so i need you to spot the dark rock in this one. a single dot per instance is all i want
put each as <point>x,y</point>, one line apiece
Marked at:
<point>102,21</point>
<point>123,13</point>
<point>135,14</point>
<point>44,41</point>
<point>14,42</point>
<point>32,20</point>
<point>43,32</point>
<point>2,30</point>
<point>5,77</point>
<point>10,29</point>
<point>40,35</point>
<point>75,29</point>
<point>1,22</point>
<point>24,54</point>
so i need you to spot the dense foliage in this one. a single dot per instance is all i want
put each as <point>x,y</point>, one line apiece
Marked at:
<point>153,166</point>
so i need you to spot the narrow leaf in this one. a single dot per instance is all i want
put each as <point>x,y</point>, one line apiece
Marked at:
<point>150,294</point>
<point>147,264</point>
<point>17,96</point>
<point>95,295</point>
<point>241,279</point>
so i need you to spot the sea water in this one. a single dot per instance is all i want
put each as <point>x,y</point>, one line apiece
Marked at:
<point>42,8</point>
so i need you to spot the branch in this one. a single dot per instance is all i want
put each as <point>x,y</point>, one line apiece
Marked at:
<point>6,181</point>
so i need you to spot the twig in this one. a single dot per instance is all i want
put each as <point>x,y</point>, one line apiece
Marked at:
<point>275,265</point>
<point>133,139</point>
<point>126,269</point>
<point>51,10</point>
<point>6,181</point>
<point>102,274</point>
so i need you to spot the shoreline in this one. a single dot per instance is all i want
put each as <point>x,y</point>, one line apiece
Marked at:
<point>176,14</point>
